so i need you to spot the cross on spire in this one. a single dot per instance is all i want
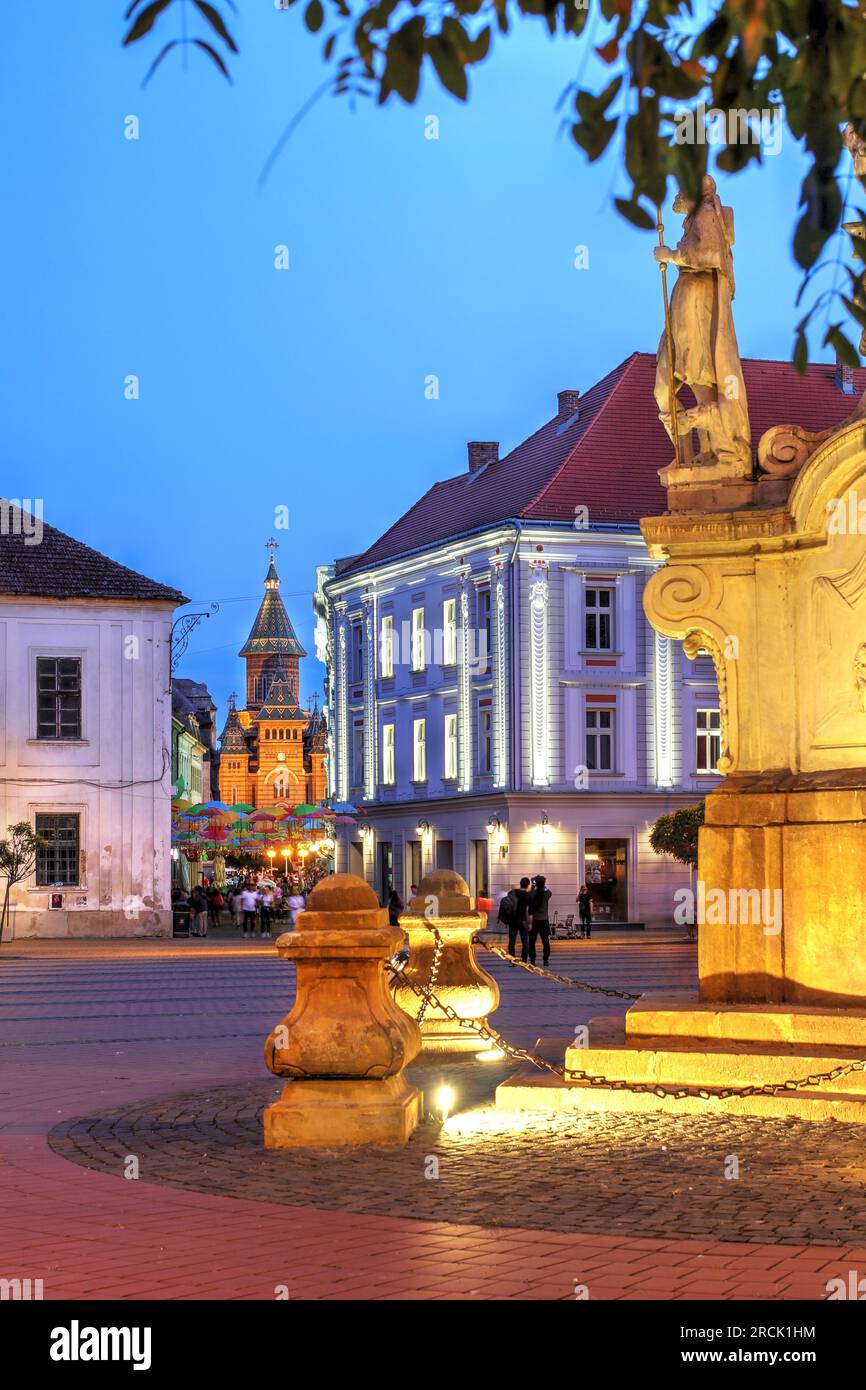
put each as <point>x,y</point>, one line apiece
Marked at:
<point>271,545</point>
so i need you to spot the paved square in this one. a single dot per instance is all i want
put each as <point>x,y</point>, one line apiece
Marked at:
<point>153,1052</point>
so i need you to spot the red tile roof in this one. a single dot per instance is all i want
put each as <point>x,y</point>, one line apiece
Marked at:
<point>606,460</point>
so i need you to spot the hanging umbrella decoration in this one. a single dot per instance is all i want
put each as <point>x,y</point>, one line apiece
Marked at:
<point>303,832</point>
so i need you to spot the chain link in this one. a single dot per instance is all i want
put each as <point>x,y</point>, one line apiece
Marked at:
<point>434,974</point>
<point>552,975</point>
<point>599,1082</point>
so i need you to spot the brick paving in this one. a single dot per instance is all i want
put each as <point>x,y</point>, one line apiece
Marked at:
<point>138,1032</point>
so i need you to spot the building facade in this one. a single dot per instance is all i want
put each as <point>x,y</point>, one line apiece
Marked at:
<point>272,750</point>
<point>497,702</point>
<point>190,774</point>
<point>85,738</point>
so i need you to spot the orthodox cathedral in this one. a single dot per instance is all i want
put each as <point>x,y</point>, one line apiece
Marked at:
<point>272,750</point>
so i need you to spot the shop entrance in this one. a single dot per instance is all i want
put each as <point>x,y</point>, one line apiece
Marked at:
<point>605,873</point>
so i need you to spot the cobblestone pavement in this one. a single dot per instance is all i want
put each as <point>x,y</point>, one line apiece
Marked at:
<point>137,1028</point>
<point>659,1176</point>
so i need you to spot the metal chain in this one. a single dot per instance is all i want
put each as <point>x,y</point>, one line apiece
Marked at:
<point>599,1082</point>
<point>434,974</point>
<point>552,975</point>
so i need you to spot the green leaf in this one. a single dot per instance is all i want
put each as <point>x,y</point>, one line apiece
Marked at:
<point>835,338</point>
<point>146,20</point>
<point>448,66</point>
<point>801,352</point>
<point>216,21</point>
<point>314,16</point>
<point>634,213</point>
<point>403,58</point>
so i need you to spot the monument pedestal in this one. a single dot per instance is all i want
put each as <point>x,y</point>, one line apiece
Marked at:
<point>443,903</point>
<point>677,1040</point>
<point>776,594</point>
<point>330,1113</point>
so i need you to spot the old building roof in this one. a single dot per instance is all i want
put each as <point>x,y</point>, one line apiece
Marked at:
<point>604,456</point>
<point>57,566</point>
<point>272,630</point>
<point>280,701</point>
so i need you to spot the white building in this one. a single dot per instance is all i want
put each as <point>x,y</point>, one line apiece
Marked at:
<point>556,751</point>
<point>85,736</point>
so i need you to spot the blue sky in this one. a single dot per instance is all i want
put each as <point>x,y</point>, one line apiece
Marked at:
<point>303,388</point>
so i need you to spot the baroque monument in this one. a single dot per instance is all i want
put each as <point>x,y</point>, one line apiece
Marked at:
<point>763,565</point>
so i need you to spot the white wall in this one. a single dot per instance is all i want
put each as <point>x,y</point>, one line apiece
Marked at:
<point>117,777</point>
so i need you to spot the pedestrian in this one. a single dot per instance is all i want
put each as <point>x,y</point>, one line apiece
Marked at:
<point>540,911</point>
<point>215,905</point>
<point>199,908</point>
<point>413,891</point>
<point>236,906</point>
<point>249,905</point>
<point>584,908</point>
<point>518,926</point>
<point>266,908</point>
<point>295,905</point>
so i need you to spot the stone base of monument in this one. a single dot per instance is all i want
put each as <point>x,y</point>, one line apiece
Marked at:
<point>328,1113</point>
<point>676,1040</point>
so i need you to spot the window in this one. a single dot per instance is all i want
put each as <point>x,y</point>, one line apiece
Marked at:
<point>708,731</point>
<point>485,740</point>
<point>419,654</point>
<point>58,692</point>
<point>357,652</point>
<point>419,750</point>
<point>57,861</point>
<point>449,632</point>
<point>413,865</point>
<point>358,756</point>
<point>386,655</point>
<point>481,867</point>
<point>599,740</point>
<point>598,609</point>
<point>450,759</point>
<point>389,771</point>
<point>484,637</point>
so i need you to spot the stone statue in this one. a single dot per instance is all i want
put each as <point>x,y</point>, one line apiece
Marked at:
<point>705,352</point>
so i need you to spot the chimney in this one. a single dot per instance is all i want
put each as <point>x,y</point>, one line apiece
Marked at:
<point>844,377</point>
<point>482,452</point>
<point>569,404</point>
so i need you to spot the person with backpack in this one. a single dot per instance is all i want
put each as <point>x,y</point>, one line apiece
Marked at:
<point>516,905</point>
<point>540,912</point>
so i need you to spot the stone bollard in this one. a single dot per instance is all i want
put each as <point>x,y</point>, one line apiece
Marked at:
<point>345,1042</point>
<point>443,902</point>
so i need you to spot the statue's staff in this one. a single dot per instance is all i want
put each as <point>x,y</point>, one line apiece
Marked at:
<point>670,341</point>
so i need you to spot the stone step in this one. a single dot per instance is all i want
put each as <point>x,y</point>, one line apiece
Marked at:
<point>682,1014</point>
<point>532,1089</point>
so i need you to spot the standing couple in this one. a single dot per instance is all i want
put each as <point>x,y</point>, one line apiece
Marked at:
<point>525,912</point>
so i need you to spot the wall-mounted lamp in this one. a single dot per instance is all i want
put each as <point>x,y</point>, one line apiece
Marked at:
<point>493,823</point>
<point>364,831</point>
<point>423,828</point>
<point>545,824</point>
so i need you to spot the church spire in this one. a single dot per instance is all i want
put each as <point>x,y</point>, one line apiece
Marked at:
<point>272,632</point>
